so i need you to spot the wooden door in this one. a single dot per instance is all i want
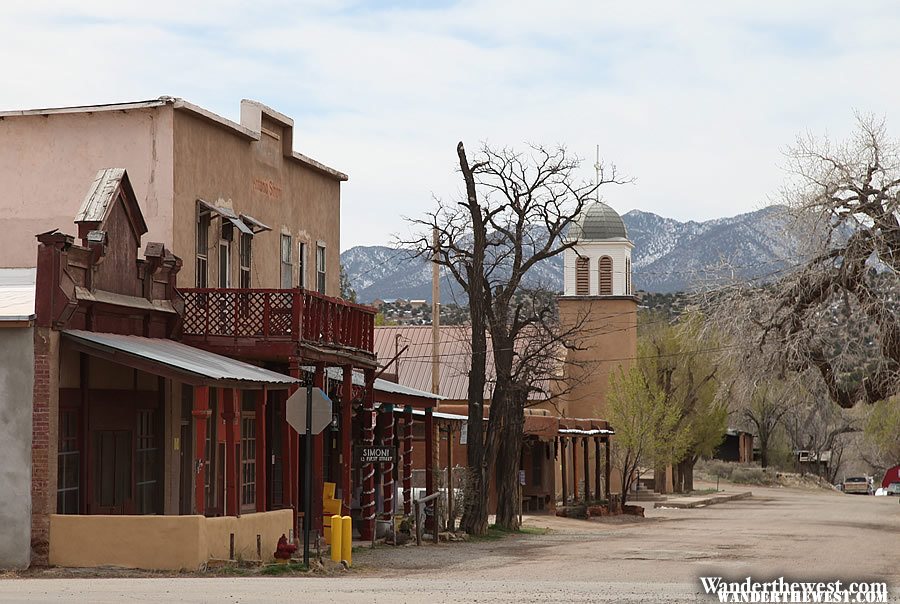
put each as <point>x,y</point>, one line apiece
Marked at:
<point>113,484</point>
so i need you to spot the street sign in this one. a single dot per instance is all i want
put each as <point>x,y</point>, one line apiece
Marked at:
<point>366,454</point>
<point>321,411</point>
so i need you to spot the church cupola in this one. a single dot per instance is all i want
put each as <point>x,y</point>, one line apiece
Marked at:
<point>600,262</point>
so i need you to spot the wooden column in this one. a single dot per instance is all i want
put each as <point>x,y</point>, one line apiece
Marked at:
<point>565,471</point>
<point>606,470</point>
<point>232,452</point>
<point>261,457</point>
<point>347,439</point>
<point>429,452</point>
<point>387,469</point>
<point>598,492</point>
<point>449,476</point>
<point>367,499</point>
<point>407,459</point>
<point>587,470</point>
<point>294,459</point>
<point>574,470</point>
<point>287,479</point>
<point>318,460</point>
<point>201,414</point>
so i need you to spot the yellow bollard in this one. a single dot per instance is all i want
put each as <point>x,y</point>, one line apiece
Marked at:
<point>336,538</point>
<point>347,539</point>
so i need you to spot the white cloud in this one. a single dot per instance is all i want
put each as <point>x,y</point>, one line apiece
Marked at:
<point>696,99</point>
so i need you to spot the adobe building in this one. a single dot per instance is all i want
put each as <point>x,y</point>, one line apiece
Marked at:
<point>233,200</point>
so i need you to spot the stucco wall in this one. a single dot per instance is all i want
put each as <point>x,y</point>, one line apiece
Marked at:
<point>255,178</point>
<point>161,542</point>
<point>16,383</point>
<point>47,163</point>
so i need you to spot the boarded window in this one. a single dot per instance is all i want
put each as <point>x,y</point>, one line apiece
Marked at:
<point>245,259</point>
<point>606,276</point>
<point>582,276</point>
<point>301,264</point>
<point>286,265</point>
<point>202,265</point>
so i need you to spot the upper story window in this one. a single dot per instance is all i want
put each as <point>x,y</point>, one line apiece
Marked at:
<point>582,276</point>
<point>286,263</point>
<point>245,259</point>
<point>606,276</point>
<point>201,268</point>
<point>301,265</point>
<point>320,269</point>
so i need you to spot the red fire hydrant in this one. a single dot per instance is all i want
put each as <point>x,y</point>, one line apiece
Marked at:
<point>284,550</point>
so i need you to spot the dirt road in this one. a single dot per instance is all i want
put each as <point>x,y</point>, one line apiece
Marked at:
<point>779,532</point>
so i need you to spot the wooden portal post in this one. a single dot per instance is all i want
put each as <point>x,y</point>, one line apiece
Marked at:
<point>597,469</point>
<point>294,447</point>
<point>231,416</point>
<point>407,459</point>
<point>387,469</point>
<point>318,461</point>
<point>606,470</point>
<point>565,471</point>
<point>429,461</point>
<point>347,438</point>
<point>587,470</point>
<point>574,470</point>
<point>367,500</point>
<point>201,415</point>
<point>261,462</point>
<point>449,476</point>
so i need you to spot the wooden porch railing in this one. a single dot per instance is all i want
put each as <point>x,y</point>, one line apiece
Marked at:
<point>278,314</point>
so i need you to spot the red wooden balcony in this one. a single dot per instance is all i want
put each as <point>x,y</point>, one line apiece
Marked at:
<point>277,324</point>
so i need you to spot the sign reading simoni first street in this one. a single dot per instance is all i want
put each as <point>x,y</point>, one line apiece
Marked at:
<point>376,454</point>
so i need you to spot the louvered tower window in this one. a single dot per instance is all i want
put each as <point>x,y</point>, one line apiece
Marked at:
<point>628,277</point>
<point>582,276</point>
<point>606,276</point>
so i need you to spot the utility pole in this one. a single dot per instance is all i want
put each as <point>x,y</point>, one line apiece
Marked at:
<point>435,315</point>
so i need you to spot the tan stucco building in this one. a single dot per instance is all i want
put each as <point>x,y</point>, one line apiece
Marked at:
<point>271,216</point>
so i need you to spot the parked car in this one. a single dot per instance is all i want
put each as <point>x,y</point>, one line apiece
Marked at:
<point>856,485</point>
<point>893,489</point>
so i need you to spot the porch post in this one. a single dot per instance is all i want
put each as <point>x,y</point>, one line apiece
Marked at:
<point>367,499</point>
<point>407,459</point>
<point>587,470</point>
<point>261,461</point>
<point>201,414</point>
<point>565,471</point>
<point>318,460</point>
<point>387,469</point>
<point>574,470</point>
<point>606,470</point>
<point>293,443</point>
<point>232,453</point>
<point>597,468</point>
<point>347,438</point>
<point>449,476</point>
<point>429,452</point>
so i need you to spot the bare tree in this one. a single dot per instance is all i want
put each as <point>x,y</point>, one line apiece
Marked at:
<point>837,309</point>
<point>517,211</point>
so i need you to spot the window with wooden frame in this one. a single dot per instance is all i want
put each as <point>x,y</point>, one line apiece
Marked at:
<point>582,276</point>
<point>201,268</point>
<point>320,269</point>
<point>301,265</point>
<point>606,276</point>
<point>245,259</point>
<point>248,458</point>
<point>286,264</point>
<point>68,460</point>
<point>146,468</point>
<point>628,291</point>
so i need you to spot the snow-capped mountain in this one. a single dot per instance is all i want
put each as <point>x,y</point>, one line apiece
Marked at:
<point>668,256</point>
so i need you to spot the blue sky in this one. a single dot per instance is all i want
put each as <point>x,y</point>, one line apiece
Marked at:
<point>696,100</point>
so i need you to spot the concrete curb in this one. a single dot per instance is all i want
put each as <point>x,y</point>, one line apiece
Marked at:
<point>699,503</point>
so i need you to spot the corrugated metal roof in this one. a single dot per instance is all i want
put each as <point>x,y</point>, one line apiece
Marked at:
<point>181,358</point>
<point>454,358</point>
<point>17,294</point>
<point>337,374</point>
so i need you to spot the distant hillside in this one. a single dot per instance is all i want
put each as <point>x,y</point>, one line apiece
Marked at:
<point>668,256</point>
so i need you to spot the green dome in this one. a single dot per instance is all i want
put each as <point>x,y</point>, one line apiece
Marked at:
<point>598,222</point>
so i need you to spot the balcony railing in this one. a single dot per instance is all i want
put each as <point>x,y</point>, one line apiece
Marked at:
<point>278,314</point>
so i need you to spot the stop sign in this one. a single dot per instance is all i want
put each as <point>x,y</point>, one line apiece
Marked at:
<point>296,410</point>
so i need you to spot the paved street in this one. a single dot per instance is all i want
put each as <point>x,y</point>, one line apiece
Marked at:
<point>779,532</point>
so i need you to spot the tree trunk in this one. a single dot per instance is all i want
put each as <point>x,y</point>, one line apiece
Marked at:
<point>677,485</point>
<point>509,412</point>
<point>475,516</point>
<point>687,474</point>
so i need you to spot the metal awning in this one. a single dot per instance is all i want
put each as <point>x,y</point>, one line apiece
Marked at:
<point>176,361</point>
<point>438,415</point>
<point>227,214</point>
<point>382,387</point>
<point>254,224</point>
